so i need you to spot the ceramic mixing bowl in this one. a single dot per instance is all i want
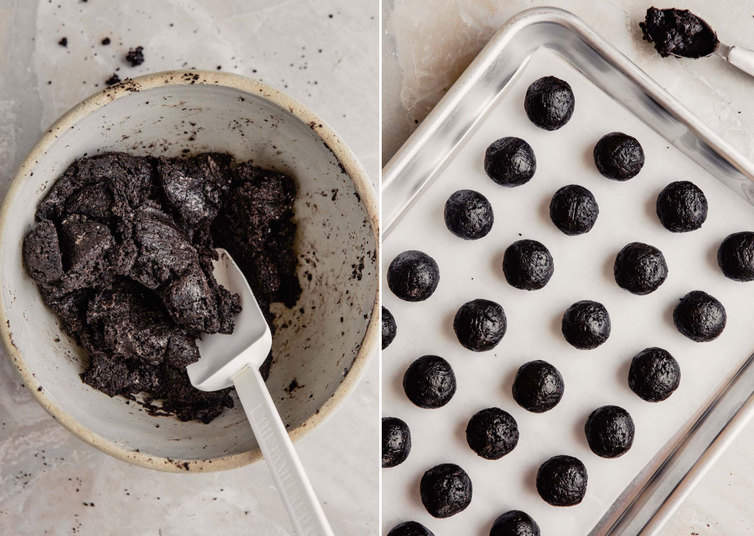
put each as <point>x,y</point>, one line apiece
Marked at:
<point>322,343</point>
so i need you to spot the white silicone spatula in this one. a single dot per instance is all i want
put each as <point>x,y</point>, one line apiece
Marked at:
<point>234,360</point>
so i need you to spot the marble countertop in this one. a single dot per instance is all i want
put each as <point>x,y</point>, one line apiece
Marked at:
<point>425,50</point>
<point>51,482</point>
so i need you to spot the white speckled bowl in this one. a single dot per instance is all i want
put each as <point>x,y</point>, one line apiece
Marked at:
<point>324,347</point>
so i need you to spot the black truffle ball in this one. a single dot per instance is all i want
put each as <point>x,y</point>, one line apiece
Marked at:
<point>510,162</point>
<point>618,156</point>
<point>609,431</point>
<point>514,523</point>
<point>735,256</point>
<point>480,324</point>
<point>396,441</point>
<point>586,324</point>
<point>561,481</point>
<point>654,374</point>
<point>413,276</point>
<point>429,382</point>
<point>468,214</point>
<point>549,102</point>
<point>445,490</point>
<point>492,433</point>
<point>410,528</point>
<point>538,386</point>
<point>640,268</point>
<point>528,265</point>
<point>682,207</point>
<point>389,328</point>
<point>699,316</point>
<point>574,210</point>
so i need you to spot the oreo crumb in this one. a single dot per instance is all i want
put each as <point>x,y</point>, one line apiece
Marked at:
<point>135,56</point>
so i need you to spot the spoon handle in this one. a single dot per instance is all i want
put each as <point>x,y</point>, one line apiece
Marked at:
<point>298,495</point>
<point>742,58</point>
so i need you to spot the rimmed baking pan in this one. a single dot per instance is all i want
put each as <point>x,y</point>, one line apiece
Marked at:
<point>676,440</point>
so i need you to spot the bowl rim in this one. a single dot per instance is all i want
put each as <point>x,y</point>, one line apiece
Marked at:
<point>341,152</point>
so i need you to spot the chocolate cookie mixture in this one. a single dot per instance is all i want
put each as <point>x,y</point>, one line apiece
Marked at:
<point>510,162</point>
<point>122,252</point>
<point>562,480</point>
<point>492,433</point>
<point>538,386</point>
<point>678,32</point>
<point>445,490</point>
<point>429,382</point>
<point>413,276</point>
<point>135,56</point>
<point>396,441</point>
<point>549,102</point>
<point>468,215</point>
<point>480,324</point>
<point>618,156</point>
<point>410,528</point>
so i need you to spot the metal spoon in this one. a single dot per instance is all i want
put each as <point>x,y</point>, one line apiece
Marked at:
<point>234,360</point>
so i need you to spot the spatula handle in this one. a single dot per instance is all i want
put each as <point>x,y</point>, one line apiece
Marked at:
<point>742,58</point>
<point>298,495</point>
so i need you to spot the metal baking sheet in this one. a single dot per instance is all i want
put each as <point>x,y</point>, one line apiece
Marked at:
<point>676,440</point>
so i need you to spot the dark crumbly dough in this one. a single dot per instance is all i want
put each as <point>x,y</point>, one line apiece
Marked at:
<point>549,102</point>
<point>735,256</point>
<point>510,161</point>
<point>445,490</point>
<point>122,252</point>
<point>682,207</point>
<point>468,214</point>
<point>429,382</point>
<point>609,431</point>
<point>699,316</point>
<point>654,374</point>
<point>618,156</point>
<point>413,276</point>
<point>640,268</point>
<point>538,386</point>
<point>114,79</point>
<point>63,42</point>
<point>480,324</point>
<point>389,328</point>
<point>678,32</point>
<point>396,441</point>
<point>105,41</point>
<point>586,324</point>
<point>514,523</point>
<point>42,255</point>
<point>528,265</point>
<point>492,433</point>
<point>410,528</point>
<point>561,481</point>
<point>574,209</point>
<point>135,56</point>
<point>255,225</point>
